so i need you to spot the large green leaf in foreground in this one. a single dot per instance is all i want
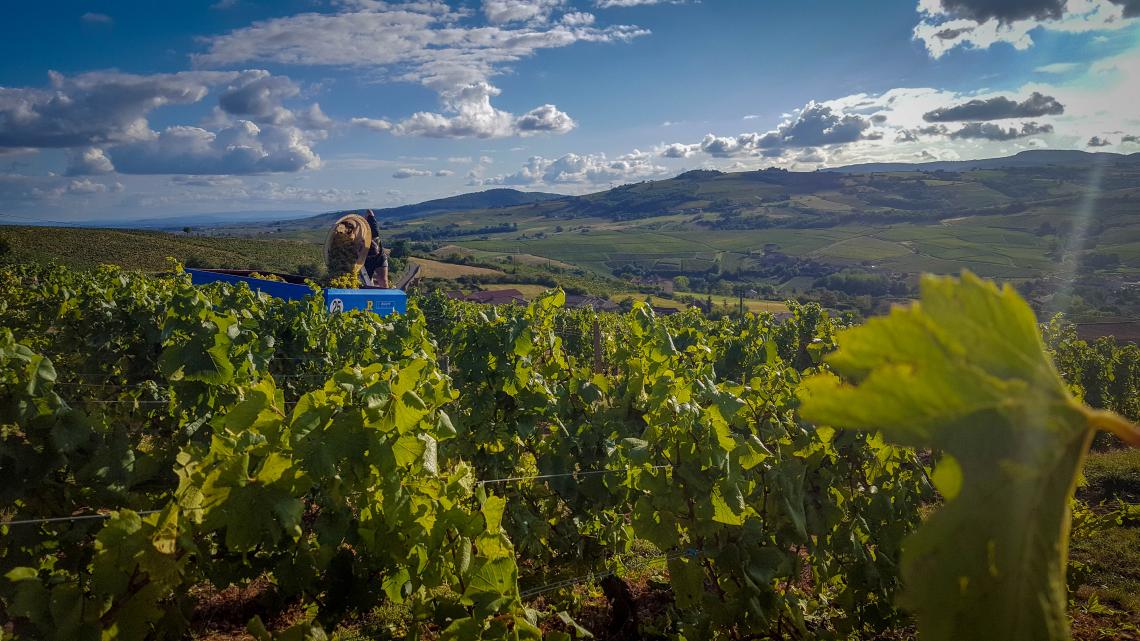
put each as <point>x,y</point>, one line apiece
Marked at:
<point>965,372</point>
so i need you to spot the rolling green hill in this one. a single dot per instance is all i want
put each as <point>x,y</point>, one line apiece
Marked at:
<point>1019,222</point>
<point>147,250</point>
<point>1066,226</point>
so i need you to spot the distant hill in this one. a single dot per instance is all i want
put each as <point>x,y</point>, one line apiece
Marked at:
<point>148,250</point>
<point>486,199</point>
<point>171,222</point>
<point>1031,158</point>
<point>876,193</point>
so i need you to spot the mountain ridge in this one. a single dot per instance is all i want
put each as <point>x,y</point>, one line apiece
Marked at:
<point>1027,158</point>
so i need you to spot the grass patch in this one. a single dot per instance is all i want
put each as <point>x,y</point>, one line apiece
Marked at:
<point>1110,567</point>
<point>439,269</point>
<point>1114,474</point>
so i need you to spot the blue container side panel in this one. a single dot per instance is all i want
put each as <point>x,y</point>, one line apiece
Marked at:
<point>381,301</point>
<point>287,291</point>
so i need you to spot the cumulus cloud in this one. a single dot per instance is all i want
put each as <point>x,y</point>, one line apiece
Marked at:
<point>1007,11</point>
<point>679,150</point>
<point>102,117</point>
<point>546,118</point>
<point>474,116</point>
<point>244,148</point>
<point>257,96</point>
<point>1130,138</point>
<point>578,19</point>
<point>579,169</point>
<point>1130,8</point>
<point>990,131</point>
<point>443,173</point>
<point>998,108</point>
<point>407,172</point>
<point>906,135</point>
<point>979,24</point>
<point>89,161</point>
<point>1097,141</point>
<point>470,114</point>
<point>425,43</point>
<point>504,11</point>
<point>95,108</point>
<point>816,125</point>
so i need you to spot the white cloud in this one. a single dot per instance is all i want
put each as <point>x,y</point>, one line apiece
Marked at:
<point>459,160</point>
<point>474,116</point>
<point>375,124</point>
<point>980,24</point>
<point>443,173</point>
<point>544,119</point>
<point>244,148</point>
<point>816,124</point>
<point>679,150</point>
<point>95,108</point>
<point>257,95</point>
<point>580,169</point>
<point>89,161</point>
<point>470,114</point>
<point>407,172</point>
<point>102,118</point>
<point>578,19</point>
<point>419,42</point>
<point>505,11</point>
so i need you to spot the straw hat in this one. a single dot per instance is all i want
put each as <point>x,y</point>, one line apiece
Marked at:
<point>347,245</point>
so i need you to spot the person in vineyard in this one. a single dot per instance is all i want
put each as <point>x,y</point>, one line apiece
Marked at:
<point>376,264</point>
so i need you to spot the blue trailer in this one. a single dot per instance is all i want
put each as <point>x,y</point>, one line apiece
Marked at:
<point>381,301</point>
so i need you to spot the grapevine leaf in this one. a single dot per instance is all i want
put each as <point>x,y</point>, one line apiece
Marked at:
<point>408,449</point>
<point>688,581</point>
<point>722,512</point>
<point>964,371</point>
<point>492,510</point>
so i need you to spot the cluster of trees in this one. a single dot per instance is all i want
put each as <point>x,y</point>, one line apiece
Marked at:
<point>860,283</point>
<point>433,232</point>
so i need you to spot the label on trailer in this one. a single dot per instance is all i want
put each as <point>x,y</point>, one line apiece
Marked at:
<point>336,305</point>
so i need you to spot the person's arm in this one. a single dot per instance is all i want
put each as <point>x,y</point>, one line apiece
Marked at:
<point>373,226</point>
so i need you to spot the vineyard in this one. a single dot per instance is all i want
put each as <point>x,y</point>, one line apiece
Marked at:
<point>471,467</point>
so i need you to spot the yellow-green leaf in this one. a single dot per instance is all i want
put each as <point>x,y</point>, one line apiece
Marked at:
<point>964,371</point>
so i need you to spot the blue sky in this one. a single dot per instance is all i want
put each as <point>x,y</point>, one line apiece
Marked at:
<point>122,109</point>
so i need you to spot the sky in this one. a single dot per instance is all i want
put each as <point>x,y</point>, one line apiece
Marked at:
<point>131,109</point>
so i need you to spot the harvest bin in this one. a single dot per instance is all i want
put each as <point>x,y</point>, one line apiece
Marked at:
<point>381,301</point>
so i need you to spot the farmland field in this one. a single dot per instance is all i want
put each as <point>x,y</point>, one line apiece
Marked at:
<point>148,250</point>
